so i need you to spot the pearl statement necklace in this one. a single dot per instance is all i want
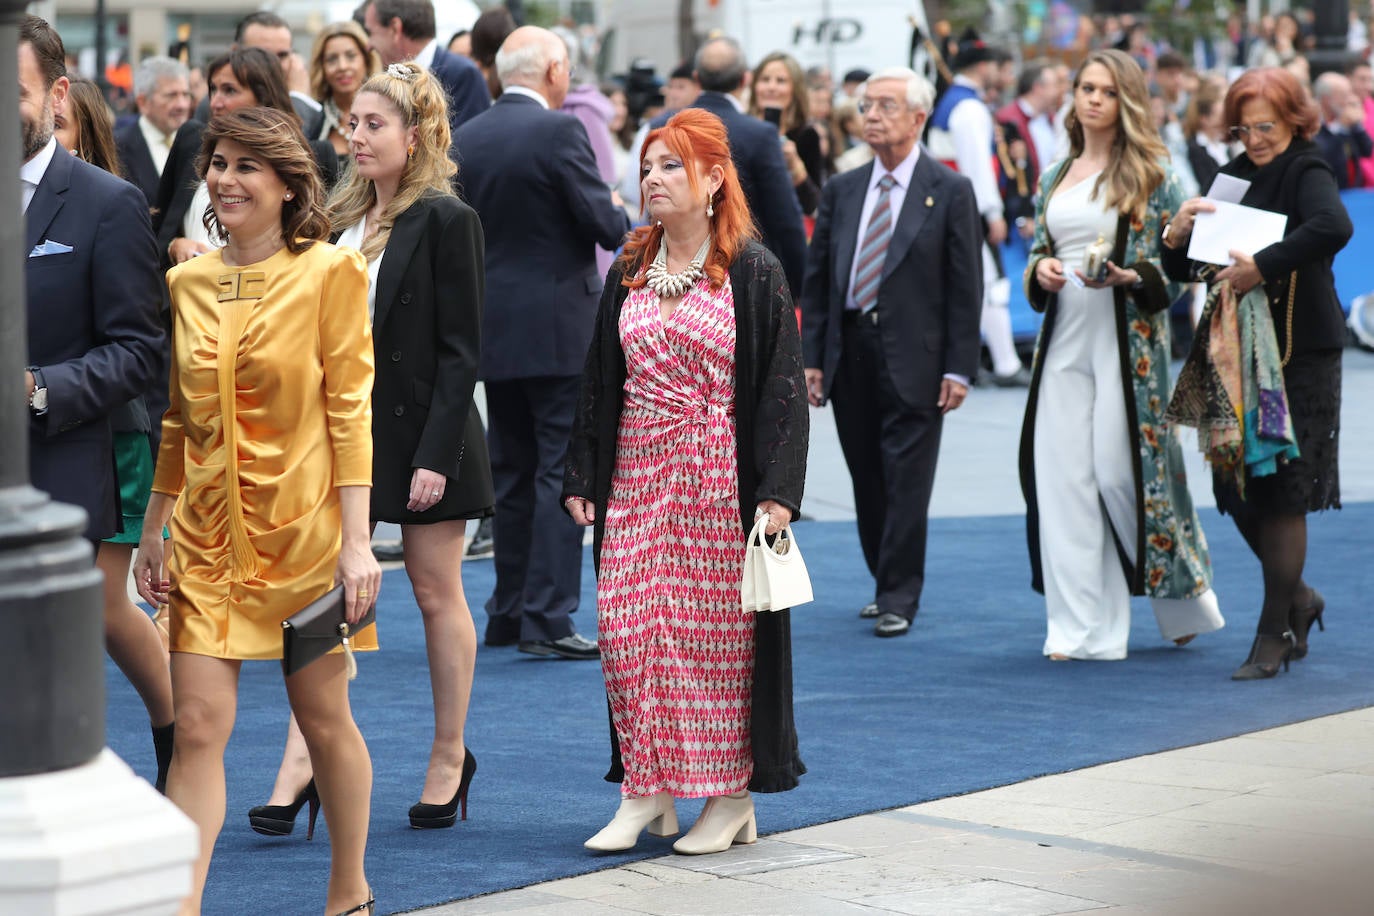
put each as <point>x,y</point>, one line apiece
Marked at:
<point>670,285</point>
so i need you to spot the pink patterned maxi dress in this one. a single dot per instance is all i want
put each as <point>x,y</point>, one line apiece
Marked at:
<point>676,648</point>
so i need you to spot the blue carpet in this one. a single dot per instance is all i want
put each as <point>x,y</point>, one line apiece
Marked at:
<point>965,702</point>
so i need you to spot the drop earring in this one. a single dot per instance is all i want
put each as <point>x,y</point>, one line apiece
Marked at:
<point>710,208</point>
<point>410,151</point>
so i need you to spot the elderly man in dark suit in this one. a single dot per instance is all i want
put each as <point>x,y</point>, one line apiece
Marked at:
<point>402,30</point>
<point>530,174</point>
<point>94,342</point>
<point>754,146</point>
<point>890,310</point>
<point>162,89</point>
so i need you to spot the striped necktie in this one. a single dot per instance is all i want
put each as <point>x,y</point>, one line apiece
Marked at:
<point>874,249</point>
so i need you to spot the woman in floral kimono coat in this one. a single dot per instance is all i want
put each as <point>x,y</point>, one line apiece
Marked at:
<point>1108,511</point>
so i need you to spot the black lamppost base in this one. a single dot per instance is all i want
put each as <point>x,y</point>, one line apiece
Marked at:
<point>51,636</point>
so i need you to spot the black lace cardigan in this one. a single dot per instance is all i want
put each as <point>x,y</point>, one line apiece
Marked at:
<point>772,426</point>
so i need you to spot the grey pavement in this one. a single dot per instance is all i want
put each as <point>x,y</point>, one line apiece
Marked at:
<point>1276,821</point>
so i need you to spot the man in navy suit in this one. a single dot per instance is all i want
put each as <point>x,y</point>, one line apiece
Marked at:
<point>530,174</point>
<point>162,88</point>
<point>402,30</point>
<point>890,312</point>
<point>94,341</point>
<point>757,152</point>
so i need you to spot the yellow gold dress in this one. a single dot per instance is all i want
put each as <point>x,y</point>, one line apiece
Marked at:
<point>271,410</point>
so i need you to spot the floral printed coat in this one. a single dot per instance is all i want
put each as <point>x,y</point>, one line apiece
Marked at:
<point>1171,559</point>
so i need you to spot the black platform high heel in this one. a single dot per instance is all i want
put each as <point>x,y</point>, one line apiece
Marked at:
<point>430,817</point>
<point>1300,620</point>
<point>280,820</point>
<point>1266,654</point>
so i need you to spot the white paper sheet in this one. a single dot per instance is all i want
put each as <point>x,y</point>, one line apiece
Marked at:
<point>1234,228</point>
<point>1228,189</point>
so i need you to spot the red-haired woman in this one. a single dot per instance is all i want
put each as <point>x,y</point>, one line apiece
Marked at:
<point>1269,112</point>
<point>693,423</point>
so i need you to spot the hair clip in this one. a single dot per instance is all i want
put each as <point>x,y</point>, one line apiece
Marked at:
<point>403,71</point>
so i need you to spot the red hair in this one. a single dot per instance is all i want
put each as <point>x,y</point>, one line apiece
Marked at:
<point>698,138</point>
<point>1280,89</point>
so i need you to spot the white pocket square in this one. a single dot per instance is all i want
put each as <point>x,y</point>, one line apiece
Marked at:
<point>48,247</point>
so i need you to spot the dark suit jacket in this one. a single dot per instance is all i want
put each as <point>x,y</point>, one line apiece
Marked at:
<point>179,181</point>
<point>931,293</point>
<point>757,152</point>
<point>137,161</point>
<point>426,334</point>
<point>1341,150</point>
<point>92,328</point>
<point>312,119</point>
<point>465,85</point>
<point>531,176</point>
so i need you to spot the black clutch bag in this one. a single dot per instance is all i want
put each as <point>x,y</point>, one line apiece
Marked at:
<point>317,628</point>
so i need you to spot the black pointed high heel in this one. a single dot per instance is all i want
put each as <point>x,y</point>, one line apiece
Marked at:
<point>1266,654</point>
<point>364,907</point>
<point>432,817</point>
<point>280,820</point>
<point>1300,620</point>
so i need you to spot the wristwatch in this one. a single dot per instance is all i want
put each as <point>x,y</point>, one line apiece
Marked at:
<point>1164,236</point>
<point>38,401</point>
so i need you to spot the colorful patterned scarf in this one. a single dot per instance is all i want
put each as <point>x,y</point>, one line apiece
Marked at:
<point>1231,387</point>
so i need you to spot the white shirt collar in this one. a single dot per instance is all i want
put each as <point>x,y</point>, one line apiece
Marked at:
<point>34,170</point>
<point>426,56</point>
<point>526,91</point>
<point>1026,110</point>
<point>966,81</point>
<point>152,134</point>
<point>902,173</point>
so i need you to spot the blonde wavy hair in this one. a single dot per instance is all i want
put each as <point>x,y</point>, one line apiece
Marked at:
<point>421,103</point>
<point>1136,165</point>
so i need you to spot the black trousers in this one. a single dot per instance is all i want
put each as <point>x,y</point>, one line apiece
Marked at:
<point>891,449</point>
<point>538,548</point>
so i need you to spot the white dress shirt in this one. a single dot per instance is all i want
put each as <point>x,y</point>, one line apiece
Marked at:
<point>32,172</point>
<point>1042,134</point>
<point>159,144</point>
<point>426,56</point>
<point>525,91</point>
<point>970,126</point>
<point>895,198</point>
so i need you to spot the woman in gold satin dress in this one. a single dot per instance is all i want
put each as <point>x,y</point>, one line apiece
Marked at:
<point>265,471</point>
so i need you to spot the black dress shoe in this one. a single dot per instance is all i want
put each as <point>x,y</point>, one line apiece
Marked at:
<point>891,625</point>
<point>868,611</point>
<point>575,646</point>
<point>482,544</point>
<point>388,551</point>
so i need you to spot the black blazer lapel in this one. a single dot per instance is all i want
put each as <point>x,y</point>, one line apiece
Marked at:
<point>47,198</point>
<point>850,209</point>
<point>400,248</point>
<point>915,211</point>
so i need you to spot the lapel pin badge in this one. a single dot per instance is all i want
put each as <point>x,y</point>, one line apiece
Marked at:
<point>930,201</point>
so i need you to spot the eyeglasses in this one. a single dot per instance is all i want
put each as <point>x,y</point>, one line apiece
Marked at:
<point>885,106</point>
<point>1242,131</point>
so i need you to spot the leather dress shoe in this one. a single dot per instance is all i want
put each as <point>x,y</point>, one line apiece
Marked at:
<point>482,545</point>
<point>868,611</point>
<point>575,646</point>
<point>891,625</point>
<point>1021,378</point>
<point>388,551</point>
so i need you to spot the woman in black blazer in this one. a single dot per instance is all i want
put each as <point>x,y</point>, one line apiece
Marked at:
<point>430,471</point>
<point>1269,111</point>
<point>242,78</point>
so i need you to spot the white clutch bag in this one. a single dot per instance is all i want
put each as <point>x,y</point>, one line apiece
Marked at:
<point>775,576</point>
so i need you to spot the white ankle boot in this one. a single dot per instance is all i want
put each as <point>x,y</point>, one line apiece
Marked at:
<point>656,813</point>
<point>726,819</point>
